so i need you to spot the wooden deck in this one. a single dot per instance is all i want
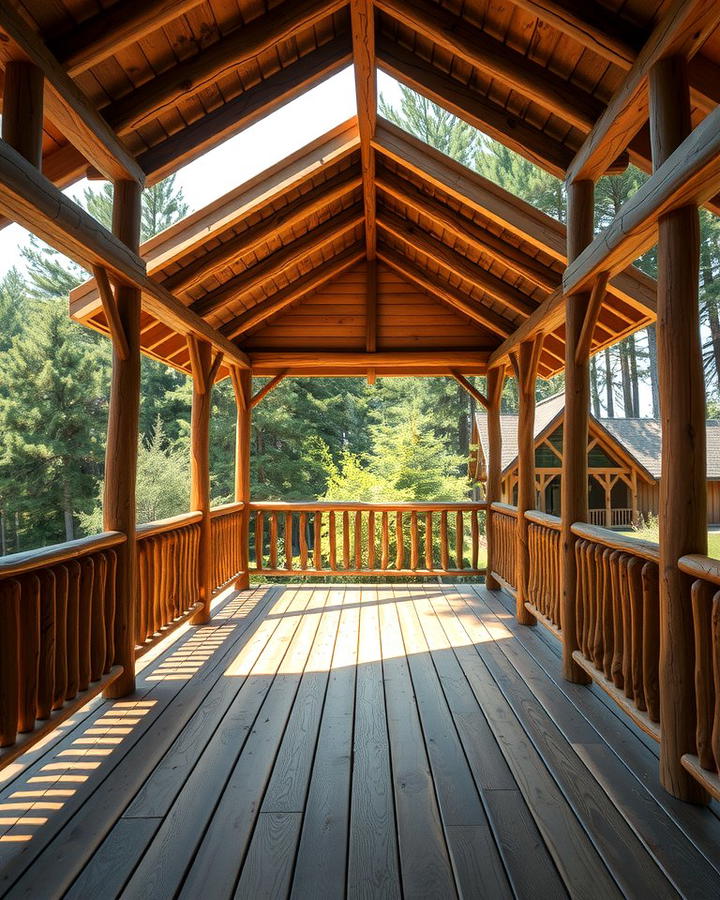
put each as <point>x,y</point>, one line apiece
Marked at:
<point>390,741</point>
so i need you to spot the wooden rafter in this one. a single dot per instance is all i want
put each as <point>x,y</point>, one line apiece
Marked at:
<point>468,231</point>
<point>266,309</point>
<point>66,106</point>
<point>266,388</point>
<point>682,30</point>
<point>191,75</point>
<point>362,23</point>
<point>457,264</point>
<point>296,212</point>
<point>107,32</point>
<point>241,287</point>
<point>445,292</point>
<point>245,110</point>
<point>477,48</point>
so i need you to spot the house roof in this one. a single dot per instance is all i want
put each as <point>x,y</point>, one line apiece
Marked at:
<point>640,438</point>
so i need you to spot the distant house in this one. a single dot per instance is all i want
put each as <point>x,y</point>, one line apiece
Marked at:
<point>623,463</point>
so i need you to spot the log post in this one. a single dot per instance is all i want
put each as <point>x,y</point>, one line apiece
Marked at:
<point>574,488</point>
<point>22,114</point>
<point>494,388</point>
<point>119,511</point>
<point>525,364</point>
<point>201,363</point>
<point>683,500</point>
<point>242,385</point>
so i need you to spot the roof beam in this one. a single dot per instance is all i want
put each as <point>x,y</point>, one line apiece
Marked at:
<point>319,362</point>
<point>240,287</point>
<point>478,111</point>
<point>446,293</point>
<point>191,75</point>
<point>682,30</point>
<point>690,175</point>
<point>66,106</point>
<point>259,314</point>
<point>468,231</point>
<point>498,205</point>
<point>295,213</point>
<point>457,264</point>
<point>104,34</point>
<point>489,55</point>
<point>245,110</point>
<point>362,24</point>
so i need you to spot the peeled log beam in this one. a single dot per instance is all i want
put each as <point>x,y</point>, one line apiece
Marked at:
<point>682,30</point>
<point>689,176</point>
<point>67,107</point>
<point>22,110</point>
<point>362,25</point>
<point>224,56</point>
<point>272,363</point>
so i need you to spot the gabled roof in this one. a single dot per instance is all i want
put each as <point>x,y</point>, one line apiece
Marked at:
<point>639,438</point>
<point>246,259</point>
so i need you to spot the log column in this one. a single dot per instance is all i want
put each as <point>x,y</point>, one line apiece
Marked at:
<point>22,113</point>
<point>683,500</point>
<point>242,384</point>
<point>574,488</point>
<point>201,361</point>
<point>119,513</point>
<point>525,363</point>
<point>495,382</point>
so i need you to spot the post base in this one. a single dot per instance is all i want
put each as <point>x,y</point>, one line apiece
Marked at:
<point>122,686</point>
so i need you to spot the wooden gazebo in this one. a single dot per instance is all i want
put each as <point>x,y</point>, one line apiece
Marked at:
<point>367,253</point>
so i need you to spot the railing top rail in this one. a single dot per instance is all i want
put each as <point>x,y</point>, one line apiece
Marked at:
<point>350,506</point>
<point>614,541</point>
<point>702,567</point>
<point>45,557</point>
<point>225,509</point>
<point>544,519</point>
<point>504,509</point>
<point>172,524</point>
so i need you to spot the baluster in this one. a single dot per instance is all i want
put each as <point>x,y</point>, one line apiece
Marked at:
<point>149,545</point>
<point>317,540</point>
<point>399,542</point>
<point>627,674</point>
<point>62,588</point>
<point>109,612</point>
<point>273,540</point>
<point>371,540</point>
<point>346,539</point>
<point>259,539</point>
<point>73,625</point>
<point>87,578</point>
<point>358,540</point>
<point>333,540</point>
<point>10,593</point>
<point>97,625</point>
<point>414,542</point>
<point>651,639</point>
<point>303,542</point>
<point>715,631</point>
<point>608,624</point>
<point>385,542</point>
<point>29,655</point>
<point>459,540</point>
<point>702,605</point>
<point>599,570</point>
<point>428,541</point>
<point>46,667</point>
<point>475,539</point>
<point>444,549</point>
<point>288,541</point>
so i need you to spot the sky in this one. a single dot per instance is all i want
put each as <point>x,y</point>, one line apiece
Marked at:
<point>248,153</point>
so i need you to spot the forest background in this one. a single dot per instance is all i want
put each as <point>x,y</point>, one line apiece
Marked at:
<point>399,439</point>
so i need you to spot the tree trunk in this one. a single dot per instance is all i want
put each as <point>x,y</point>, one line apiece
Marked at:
<point>625,380</point>
<point>68,513</point>
<point>609,397</point>
<point>635,387</point>
<point>712,308</point>
<point>594,388</point>
<point>3,545</point>
<point>652,354</point>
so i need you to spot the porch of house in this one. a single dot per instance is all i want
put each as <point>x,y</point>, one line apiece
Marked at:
<point>364,740</point>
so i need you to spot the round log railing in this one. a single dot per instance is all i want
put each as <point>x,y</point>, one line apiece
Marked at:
<point>345,538</point>
<point>226,528</point>
<point>503,522</point>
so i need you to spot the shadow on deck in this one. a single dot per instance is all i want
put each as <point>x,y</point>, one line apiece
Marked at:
<point>370,741</point>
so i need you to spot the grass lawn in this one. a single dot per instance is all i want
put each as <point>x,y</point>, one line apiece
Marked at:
<point>651,535</point>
